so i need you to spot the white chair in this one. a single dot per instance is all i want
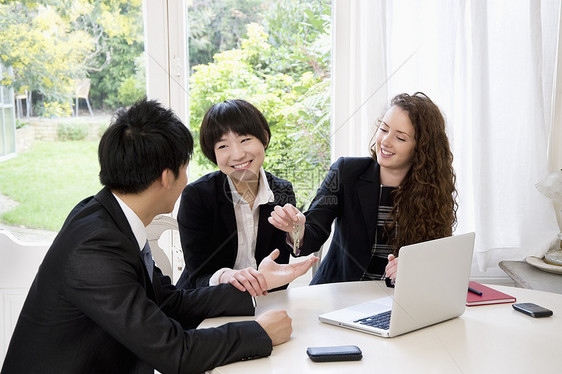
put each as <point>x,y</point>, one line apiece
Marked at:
<point>168,257</point>
<point>19,262</point>
<point>24,95</point>
<point>82,91</point>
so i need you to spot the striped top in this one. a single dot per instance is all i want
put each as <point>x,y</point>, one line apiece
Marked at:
<point>381,249</point>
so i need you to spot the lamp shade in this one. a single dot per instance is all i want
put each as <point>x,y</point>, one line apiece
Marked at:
<point>551,186</point>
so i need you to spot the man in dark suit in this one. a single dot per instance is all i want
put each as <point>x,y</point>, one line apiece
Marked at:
<point>96,307</point>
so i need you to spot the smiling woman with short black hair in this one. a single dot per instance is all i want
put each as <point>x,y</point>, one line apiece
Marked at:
<point>223,216</point>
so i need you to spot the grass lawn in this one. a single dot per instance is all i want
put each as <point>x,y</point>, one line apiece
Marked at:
<point>50,179</point>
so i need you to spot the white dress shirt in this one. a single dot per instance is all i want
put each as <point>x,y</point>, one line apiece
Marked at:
<point>247,220</point>
<point>135,222</point>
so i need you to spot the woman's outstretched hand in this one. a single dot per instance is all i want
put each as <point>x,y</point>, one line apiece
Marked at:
<point>277,275</point>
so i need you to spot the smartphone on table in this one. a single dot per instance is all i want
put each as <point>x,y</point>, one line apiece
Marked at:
<point>335,353</point>
<point>532,310</point>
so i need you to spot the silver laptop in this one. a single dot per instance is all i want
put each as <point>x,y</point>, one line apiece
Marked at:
<point>431,286</point>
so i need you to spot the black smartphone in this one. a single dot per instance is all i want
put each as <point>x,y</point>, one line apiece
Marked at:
<point>335,353</point>
<point>533,310</point>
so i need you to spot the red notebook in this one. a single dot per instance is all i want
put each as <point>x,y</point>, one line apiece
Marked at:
<point>489,296</point>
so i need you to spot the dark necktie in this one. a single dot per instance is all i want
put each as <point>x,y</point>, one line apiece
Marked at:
<point>146,255</point>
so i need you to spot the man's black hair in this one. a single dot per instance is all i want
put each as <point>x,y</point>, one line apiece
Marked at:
<point>140,143</point>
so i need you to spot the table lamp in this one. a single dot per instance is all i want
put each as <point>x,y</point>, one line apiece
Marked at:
<point>551,187</point>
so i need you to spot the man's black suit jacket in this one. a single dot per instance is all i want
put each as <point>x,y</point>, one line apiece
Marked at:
<point>93,309</point>
<point>207,226</point>
<point>349,195</point>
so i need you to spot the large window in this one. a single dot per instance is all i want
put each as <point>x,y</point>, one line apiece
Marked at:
<point>276,55</point>
<point>75,63</point>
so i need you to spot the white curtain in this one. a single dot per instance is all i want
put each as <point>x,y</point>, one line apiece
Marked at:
<point>490,66</point>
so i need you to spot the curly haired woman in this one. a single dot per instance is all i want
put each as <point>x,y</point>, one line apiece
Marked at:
<point>403,194</point>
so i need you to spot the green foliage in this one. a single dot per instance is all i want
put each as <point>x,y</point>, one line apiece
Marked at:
<point>72,131</point>
<point>300,34</point>
<point>130,91</point>
<point>52,43</point>
<point>126,61</point>
<point>117,27</point>
<point>218,25</point>
<point>56,109</point>
<point>45,55</point>
<point>292,93</point>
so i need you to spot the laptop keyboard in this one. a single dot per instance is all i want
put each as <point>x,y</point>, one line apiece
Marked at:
<point>381,321</point>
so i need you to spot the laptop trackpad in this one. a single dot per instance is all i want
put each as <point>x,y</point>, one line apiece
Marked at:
<point>373,307</point>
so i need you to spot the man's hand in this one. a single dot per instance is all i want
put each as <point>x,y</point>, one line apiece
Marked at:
<point>248,279</point>
<point>277,275</point>
<point>277,324</point>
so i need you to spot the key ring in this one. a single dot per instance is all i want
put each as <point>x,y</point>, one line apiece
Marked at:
<point>296,239</point>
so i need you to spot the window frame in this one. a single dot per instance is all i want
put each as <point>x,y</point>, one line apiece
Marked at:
<point>165,35</point>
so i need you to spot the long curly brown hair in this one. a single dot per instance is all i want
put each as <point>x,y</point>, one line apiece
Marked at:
<point>425,206</point>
